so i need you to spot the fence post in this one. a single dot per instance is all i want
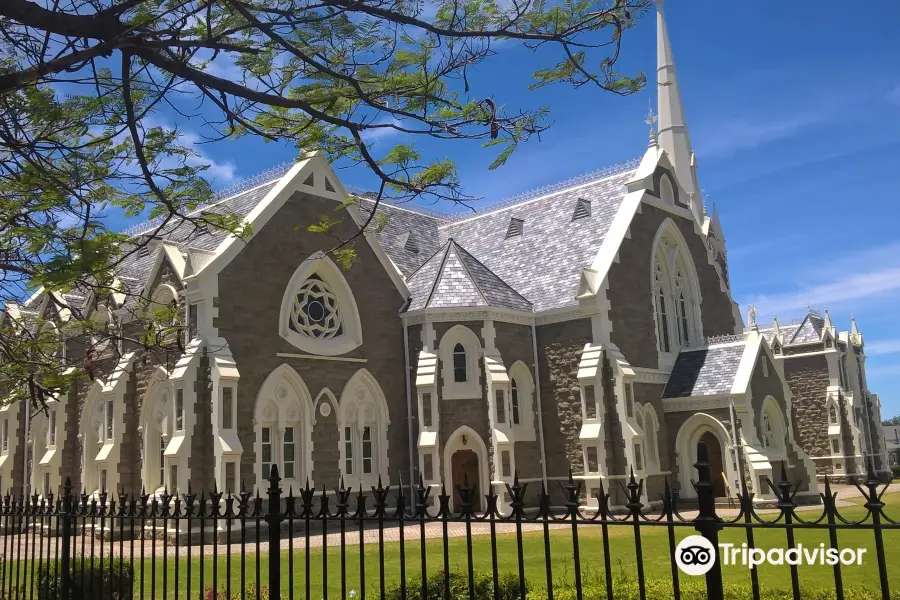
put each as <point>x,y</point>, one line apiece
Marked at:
<point>274,520</point>
<point>707,523</point>
<point>66,526</point>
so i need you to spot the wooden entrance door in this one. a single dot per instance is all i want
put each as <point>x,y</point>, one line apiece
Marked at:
<point>464,466</point>
<point>716,464</point>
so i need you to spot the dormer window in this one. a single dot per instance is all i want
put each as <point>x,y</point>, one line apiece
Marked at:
<point>459,364</point>
<point>516,228</point>
<point>582,209</point>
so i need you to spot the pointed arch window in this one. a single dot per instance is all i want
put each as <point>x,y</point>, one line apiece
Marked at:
<point>318,310</point>
<point>675,302</point>
<point>459,364</point>
<point>662,319</point>
<point>514,400</point>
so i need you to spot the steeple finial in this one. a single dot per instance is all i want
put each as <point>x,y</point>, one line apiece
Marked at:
<point>751,317</point>
<point>776,329</point>
<point>853,328</point>
<point>650,120</point>
<point>672,131</point>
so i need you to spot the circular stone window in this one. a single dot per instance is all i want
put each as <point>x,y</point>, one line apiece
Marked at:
<point>315,312</point>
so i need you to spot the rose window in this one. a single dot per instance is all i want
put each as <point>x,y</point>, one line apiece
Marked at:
<point>314,312</point>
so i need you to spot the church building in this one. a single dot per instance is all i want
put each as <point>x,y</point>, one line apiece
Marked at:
<point>587,327</point>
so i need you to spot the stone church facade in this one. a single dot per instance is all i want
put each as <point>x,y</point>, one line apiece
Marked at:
<point>589,327</point>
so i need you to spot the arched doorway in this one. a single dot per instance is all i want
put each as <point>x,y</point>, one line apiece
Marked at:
<point>716,465</point>
<point>464,472</point>
<point>465,455</point>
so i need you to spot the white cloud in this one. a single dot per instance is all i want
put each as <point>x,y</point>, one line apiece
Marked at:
<point>852,287</point>
<point>217,173</point>
<point>380,133</point>
<point>878,347</point>
<point>729,137</point>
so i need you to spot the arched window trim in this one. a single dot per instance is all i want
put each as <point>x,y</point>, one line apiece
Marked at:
<point>772,428</point>
<point>156,428</point>
<point>520,377</point>
<point>452,389</point>
<point>291,409</point>
<point>666,189</point>
<point>675,291</point>
<point>350,336</point>
<point>363,405</point>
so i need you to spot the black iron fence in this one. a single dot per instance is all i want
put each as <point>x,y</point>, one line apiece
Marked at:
<point>402,543</point>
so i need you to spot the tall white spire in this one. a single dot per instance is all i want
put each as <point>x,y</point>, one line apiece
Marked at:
<point>672,133</point>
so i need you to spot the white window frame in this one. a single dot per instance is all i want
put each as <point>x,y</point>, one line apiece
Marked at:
<point>452,389</point>
<point>178,407</point>
<point>326,270</point>
<point>231,409</point>
<point>362,404</point>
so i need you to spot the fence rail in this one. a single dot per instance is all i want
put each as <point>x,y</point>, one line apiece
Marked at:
<point>214,546</point>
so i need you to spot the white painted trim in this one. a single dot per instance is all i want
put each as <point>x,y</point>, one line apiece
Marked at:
<point>272,411</point>
<point>363,389</point>
<point>290,183</point>
<point>351,336</point>
<point>314,357</point>
<point>471,388</point>
<point>159,393</point>
<point>686,446</point>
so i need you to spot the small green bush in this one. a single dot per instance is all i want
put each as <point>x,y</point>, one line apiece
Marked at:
<point>90,580</point>
<point>895,469</point>
<point>483,581</point>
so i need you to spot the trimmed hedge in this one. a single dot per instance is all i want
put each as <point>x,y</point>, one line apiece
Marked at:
<point>625,587</point>
<point>91,580</point>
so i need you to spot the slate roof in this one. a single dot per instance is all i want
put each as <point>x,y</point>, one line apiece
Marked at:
<point>810,331</point>
<point>401,225</point>
<point>545,263</point>
<point>705,371</point>
<point>183,234</point>
<point>538,270</point>
<point>454,278</point>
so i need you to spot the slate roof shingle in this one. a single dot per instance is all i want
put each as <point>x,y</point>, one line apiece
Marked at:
<point>704,372</point>
<point>454,278</point>
<point>545,263</point>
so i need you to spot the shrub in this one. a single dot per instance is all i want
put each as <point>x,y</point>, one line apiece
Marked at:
<point>483,582</point>
<point>248,592</point>
<point>895,469</point>
<point>90,579</point>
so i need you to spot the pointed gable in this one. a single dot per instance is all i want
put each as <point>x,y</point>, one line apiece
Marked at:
<point>452,277</point>
<point>810,330</point>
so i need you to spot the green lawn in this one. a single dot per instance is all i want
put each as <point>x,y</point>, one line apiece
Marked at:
<point>622,554</point>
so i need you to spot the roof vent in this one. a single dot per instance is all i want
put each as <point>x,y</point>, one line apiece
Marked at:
<point>408,243</point>
<point>516,227</point>
<point>582,209</point>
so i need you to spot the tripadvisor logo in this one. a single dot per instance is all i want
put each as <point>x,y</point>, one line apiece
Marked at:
<point>695,555</point>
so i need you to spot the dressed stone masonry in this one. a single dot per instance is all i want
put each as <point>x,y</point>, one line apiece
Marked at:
<point>586,327</point>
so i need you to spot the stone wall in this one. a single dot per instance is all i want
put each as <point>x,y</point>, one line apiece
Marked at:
<point>762,387</point>
<point>630,297</point>
<point>614,441</point>
<point>560,346</point>
<point>808,380</point>
<point>251,288</point>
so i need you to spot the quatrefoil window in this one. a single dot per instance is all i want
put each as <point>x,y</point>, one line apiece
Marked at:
<point>315,312</point>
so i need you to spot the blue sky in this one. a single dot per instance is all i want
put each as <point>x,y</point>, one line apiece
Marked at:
<point>793,114</point>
